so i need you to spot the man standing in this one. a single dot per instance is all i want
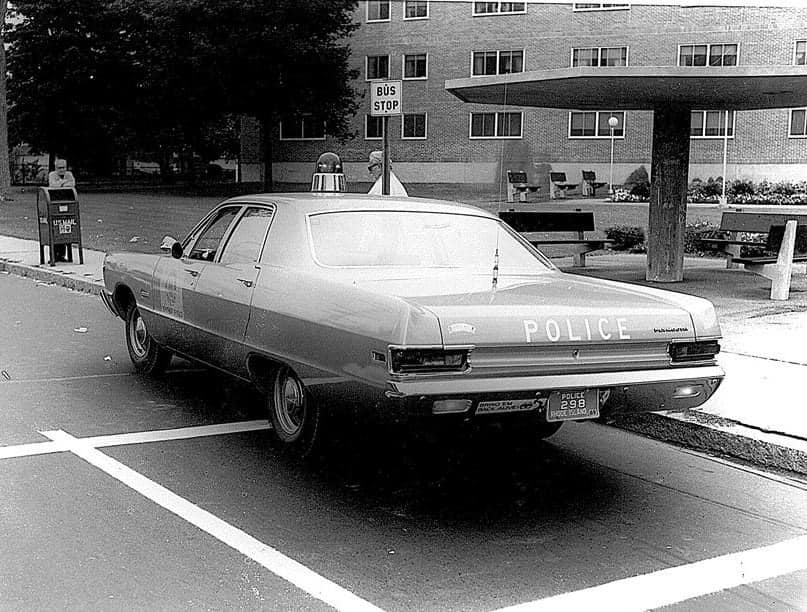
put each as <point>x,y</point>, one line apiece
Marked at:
<point>61,176</point>
<point>376,168</point>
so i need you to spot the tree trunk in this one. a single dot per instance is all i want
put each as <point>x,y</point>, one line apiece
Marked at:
<point>266,150</point>
<point>5,169</point>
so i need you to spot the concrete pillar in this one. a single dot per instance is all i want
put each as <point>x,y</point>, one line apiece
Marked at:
<point>668,194</point>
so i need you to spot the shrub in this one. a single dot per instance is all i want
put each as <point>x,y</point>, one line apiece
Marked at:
<point>627,238</point>
<point>698,230</point>
<point>638,183</point>
<point>747,192</point>
<point>621,195</point>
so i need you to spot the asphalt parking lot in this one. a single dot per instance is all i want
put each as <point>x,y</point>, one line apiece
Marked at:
<point>124,492</point>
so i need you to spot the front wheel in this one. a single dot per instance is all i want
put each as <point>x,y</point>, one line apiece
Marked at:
<point>147,356</point>
<point>296,418</point>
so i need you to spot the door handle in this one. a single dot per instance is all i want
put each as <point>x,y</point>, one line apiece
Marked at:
<point>192,272</point>
<point>246,281</point>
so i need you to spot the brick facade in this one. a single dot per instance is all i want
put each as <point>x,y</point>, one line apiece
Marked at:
<point>547,33</point>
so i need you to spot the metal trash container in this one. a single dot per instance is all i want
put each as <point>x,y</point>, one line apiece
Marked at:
<point>59,222</point>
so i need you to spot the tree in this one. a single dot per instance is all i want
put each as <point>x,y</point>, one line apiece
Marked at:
<point>91,76</point>
<point>5,170</point>
<point>71,82</point>
<point>264,58</point>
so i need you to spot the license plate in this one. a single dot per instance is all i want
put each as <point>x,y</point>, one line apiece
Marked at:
<point>573,405</point>
<point>499,406</point>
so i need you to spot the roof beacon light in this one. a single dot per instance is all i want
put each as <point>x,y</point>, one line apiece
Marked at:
<point>329,176</point>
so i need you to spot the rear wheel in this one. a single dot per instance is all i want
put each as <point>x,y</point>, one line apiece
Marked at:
<point>147,356</point>
<point>296,418</point>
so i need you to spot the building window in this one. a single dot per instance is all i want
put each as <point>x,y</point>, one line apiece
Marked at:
<point>499,8</point>
<point>496,125</point>
<point>413,126</point>
<point>377,67</point>
<point>496,62</point>
<point>302,128</point>
<point>416,9</point>
<point>373,127</point>
<point>416,66</point>
<point>707,55</point>
<point>711,124</point>
<point>798,123</point>
<point>600,6</point>
<point>594,124</point>
<point>600,56</point>
<point>800,58</point>
<point>377,10</point>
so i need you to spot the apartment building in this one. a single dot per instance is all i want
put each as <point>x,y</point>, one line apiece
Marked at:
<point>442,139</point>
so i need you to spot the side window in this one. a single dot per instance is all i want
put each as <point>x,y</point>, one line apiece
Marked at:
<point>207,244</point>
<point>245,241</point>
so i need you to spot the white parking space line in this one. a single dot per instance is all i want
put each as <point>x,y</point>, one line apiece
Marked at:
<point>20,381</point>
<point>183,433</point>
<point>273,560</point>
<point>139,437</point>
<point>29,450</point>
<point>677,584</point>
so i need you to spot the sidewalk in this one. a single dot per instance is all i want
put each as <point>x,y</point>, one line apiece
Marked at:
<point>758,415</point>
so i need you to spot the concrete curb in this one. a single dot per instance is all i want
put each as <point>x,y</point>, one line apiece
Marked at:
<point>61,278</point>
<point>704,432</point>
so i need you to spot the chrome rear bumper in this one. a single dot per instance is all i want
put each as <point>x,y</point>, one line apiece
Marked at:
<point>633,391</point>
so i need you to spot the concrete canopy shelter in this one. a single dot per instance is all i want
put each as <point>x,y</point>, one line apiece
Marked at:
<point>671,92</point>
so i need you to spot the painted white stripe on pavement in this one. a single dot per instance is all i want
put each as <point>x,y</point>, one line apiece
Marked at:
<point>182,433</point>
<point>20,381</point>
<point>139,437</point>
<point>677,584</point>
<point>273,560</point>
<point>29,450</point>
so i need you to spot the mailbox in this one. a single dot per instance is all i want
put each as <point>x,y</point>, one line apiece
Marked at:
<point>59,222</point>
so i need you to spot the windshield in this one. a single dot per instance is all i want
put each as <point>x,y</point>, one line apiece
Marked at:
<point>418,240</point>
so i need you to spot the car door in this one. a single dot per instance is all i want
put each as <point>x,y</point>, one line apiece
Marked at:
<point>223,291</point>
<point>176,280</point>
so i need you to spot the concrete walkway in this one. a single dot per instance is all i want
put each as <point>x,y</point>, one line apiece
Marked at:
<point>758,415</point>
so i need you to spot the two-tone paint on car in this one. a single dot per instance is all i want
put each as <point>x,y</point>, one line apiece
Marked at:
<point>406,305</point>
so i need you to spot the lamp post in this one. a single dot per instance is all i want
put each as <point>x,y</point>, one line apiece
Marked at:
<point>612,123</point>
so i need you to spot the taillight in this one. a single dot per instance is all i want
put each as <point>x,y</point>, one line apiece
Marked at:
<point>694,351</point>
<point>406,360</point>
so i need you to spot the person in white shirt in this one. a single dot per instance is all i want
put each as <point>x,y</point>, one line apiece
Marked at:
<point>376,168</point>
<point>61,176</point>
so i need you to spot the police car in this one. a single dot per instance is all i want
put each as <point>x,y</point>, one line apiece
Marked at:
<point>333,303</point>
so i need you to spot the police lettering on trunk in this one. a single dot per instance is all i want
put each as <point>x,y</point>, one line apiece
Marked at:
<point>555,330</point>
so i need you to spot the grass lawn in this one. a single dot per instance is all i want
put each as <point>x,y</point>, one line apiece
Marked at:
<point>112,220</point>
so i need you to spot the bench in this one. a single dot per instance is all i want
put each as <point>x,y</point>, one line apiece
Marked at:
<point>558,185</point>
<point>517,182</point>
<point>532,224</point>
<point>590,183</point>
<point>782,230</point>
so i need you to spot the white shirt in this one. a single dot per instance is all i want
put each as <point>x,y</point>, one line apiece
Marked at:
<point>395,186</point>
<point>54,180</point>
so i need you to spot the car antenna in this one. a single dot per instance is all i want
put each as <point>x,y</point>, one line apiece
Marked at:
<point>496,263</point>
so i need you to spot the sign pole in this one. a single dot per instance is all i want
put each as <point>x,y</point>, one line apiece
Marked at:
<point>385,100</point>
<point>385,180</point>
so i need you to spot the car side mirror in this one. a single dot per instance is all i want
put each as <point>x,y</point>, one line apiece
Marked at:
<point>173,246</point>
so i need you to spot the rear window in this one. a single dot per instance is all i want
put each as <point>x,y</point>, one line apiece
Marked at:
<point>418,240</point>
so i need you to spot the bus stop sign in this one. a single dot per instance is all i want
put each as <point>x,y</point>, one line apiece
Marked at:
<point>385,98</point>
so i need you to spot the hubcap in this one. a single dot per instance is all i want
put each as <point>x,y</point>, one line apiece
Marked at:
<point>289,404</point>
<point>139,335</point>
